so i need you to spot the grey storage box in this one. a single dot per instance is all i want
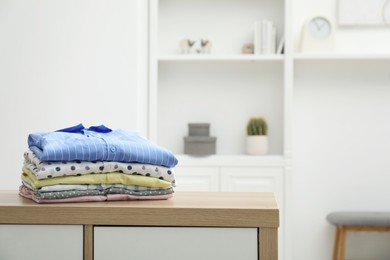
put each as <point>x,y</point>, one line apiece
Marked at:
<point>199,145</point>
<point>198,129</point>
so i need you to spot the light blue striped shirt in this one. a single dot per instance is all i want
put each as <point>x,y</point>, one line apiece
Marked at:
<point>89,145</point>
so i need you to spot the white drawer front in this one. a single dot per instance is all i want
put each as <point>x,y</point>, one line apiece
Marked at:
<point>43,242</point>
<point>197,178</point>
<point>175,243</point>
<point>253,179</point>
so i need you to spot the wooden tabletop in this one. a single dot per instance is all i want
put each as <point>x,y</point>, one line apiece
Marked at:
<point>251,209</point>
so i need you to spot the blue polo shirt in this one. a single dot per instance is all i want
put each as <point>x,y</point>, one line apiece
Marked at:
<point>98,143</point>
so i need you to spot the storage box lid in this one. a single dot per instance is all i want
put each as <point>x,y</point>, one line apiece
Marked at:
<point>200,139</point>
<point>202,125</point>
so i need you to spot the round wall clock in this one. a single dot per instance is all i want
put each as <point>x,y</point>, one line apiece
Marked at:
<point>317,35</point>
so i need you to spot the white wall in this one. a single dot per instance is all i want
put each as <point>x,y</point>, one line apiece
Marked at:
<point>341,138</point>
<point>64,62</point>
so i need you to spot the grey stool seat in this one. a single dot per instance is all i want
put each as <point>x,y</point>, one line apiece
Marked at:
<point>355,221</point>
<point>359,218</point>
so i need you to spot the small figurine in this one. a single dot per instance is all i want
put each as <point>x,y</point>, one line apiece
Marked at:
<point>248,48</point>
<point>205,46</point>
<point>186,46</point>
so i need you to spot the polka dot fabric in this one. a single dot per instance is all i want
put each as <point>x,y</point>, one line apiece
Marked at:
<point>44,170</point>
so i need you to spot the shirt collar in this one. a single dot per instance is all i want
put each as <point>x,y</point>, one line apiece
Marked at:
<point>80,127</point>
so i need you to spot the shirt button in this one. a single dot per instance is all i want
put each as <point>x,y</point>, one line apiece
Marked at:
<point>113,149</point>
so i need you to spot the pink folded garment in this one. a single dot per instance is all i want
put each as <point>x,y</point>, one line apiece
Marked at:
<point>28,194</point>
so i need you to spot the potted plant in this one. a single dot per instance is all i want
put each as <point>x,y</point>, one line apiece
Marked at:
<point>257,139</point>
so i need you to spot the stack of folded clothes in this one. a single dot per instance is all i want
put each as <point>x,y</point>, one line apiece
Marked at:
<point>78,164</point>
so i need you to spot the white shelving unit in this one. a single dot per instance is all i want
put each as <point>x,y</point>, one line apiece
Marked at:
<point>187,88</point>
<point>224,88</point>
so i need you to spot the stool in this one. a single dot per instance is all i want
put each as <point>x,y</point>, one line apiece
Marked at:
<point>355,221</point>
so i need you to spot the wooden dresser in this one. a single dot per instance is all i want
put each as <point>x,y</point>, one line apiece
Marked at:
<point>191,225</point>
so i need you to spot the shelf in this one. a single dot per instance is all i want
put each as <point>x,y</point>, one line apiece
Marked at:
<point>211,57</point>
<point>340,56</point>
<point>232,160</point>
<point>189,91</point>
<point>200,87</point>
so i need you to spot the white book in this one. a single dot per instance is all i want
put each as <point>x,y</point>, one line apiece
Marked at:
<point>273,40</point>
<point>268,37</point>
<point>257,38</point>
<point>264,37</point>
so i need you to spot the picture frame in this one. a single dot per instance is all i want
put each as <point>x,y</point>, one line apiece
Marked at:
<point>364,12</point>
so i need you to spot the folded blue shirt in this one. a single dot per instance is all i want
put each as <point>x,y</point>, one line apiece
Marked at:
<point>98,143</point>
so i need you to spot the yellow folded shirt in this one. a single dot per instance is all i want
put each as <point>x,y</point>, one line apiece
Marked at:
<point>98,178</point>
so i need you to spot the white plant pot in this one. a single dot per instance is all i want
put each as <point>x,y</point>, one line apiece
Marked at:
<point>257,144</point>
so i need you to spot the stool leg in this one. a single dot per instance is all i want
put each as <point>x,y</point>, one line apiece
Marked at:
<point>336,243</point>
<point>342,243</point>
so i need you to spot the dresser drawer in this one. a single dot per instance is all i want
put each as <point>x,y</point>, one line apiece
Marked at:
<point>43,242</point>
<point>175,243</point>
